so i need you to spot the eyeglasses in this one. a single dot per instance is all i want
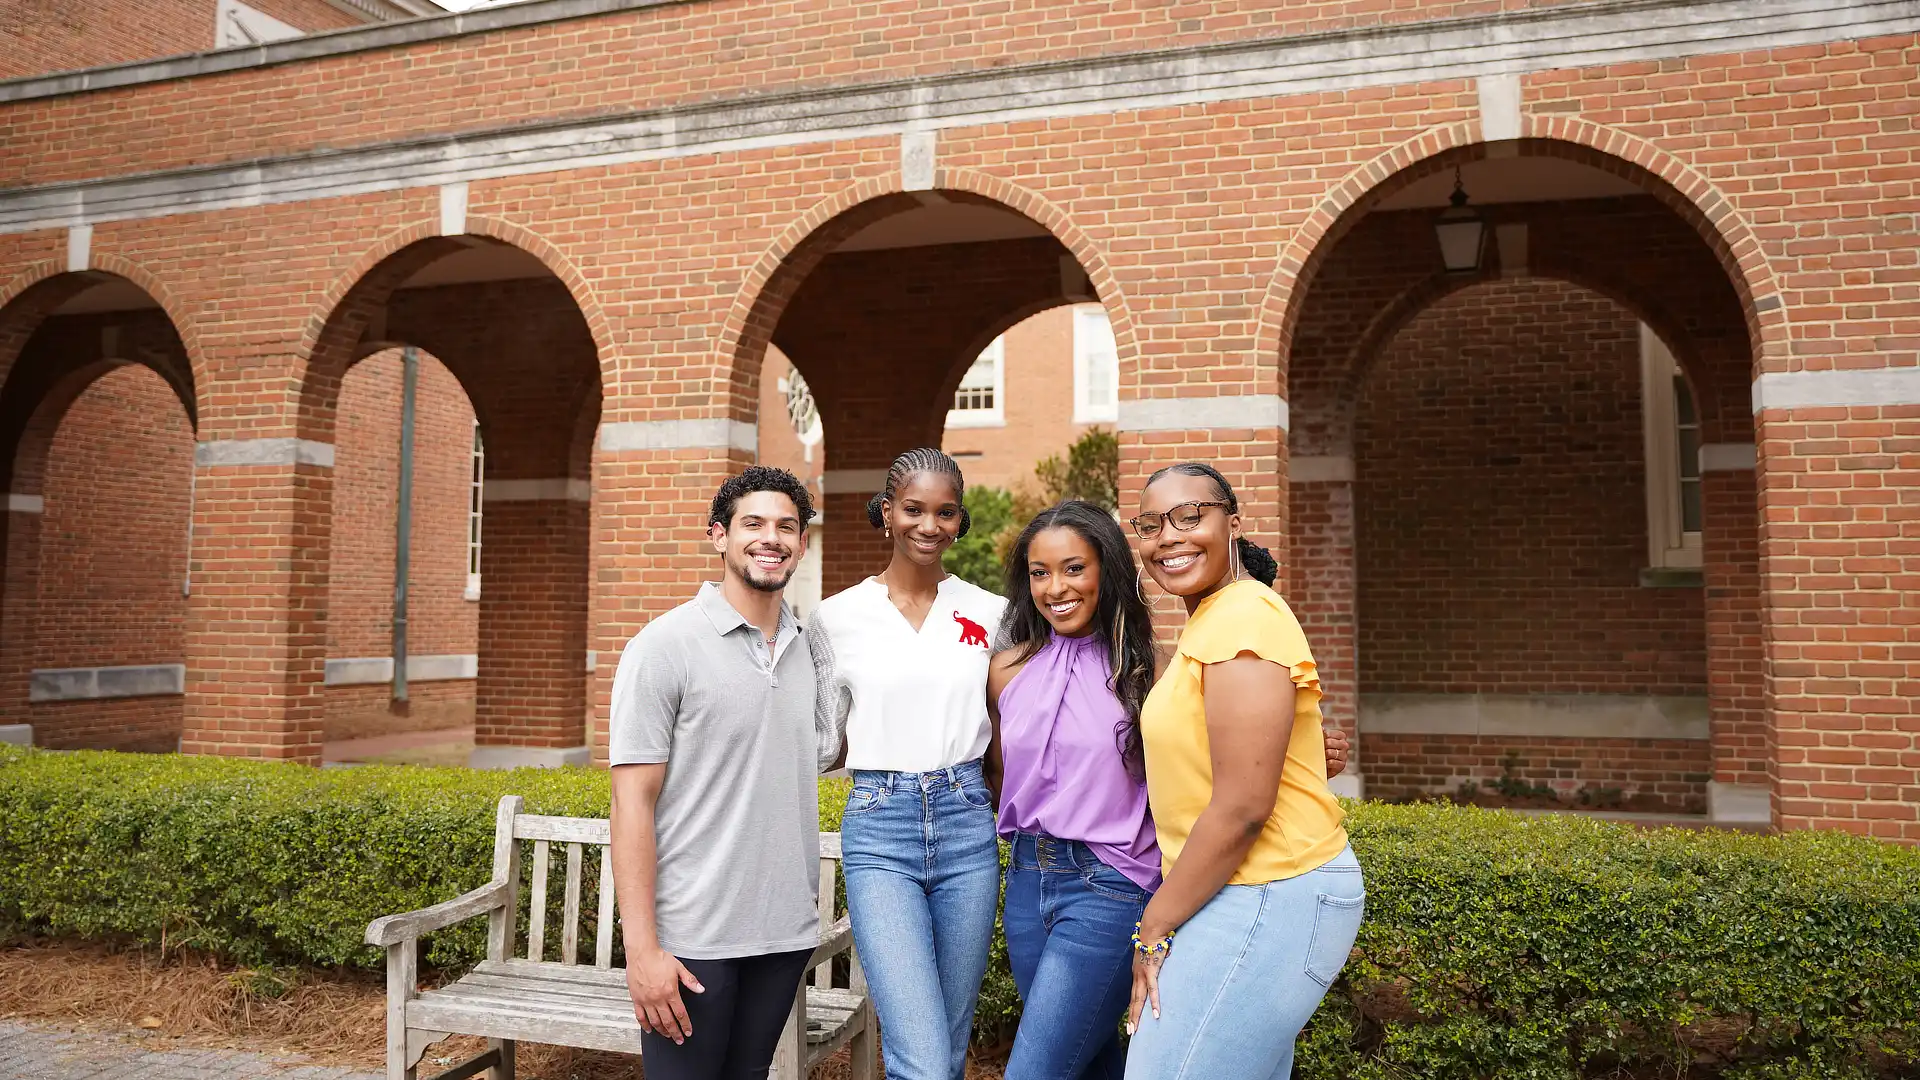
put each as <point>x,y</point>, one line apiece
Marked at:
<point>1182,517</point>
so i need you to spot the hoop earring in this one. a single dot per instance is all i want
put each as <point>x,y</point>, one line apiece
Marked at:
<point>1233,549</point>
<point>1140,588</point>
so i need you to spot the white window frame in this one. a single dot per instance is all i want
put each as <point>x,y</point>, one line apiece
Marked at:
<point>1670,545</point>
<point>476,503</point>
<point>995,416</point>
<point>803,412</point>
<point>1093,344</point>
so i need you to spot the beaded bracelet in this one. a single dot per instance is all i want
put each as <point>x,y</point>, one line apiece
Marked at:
<point>1158,948</point>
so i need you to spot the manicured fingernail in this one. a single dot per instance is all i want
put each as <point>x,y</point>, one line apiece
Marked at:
<point>1156,1014</point>
<point>1129,1027</point>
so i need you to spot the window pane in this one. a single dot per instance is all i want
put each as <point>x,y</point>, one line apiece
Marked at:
<point>976,391</point>
<point>1690,506</point>
<point>1683,402</point>
<point>1689,453</point>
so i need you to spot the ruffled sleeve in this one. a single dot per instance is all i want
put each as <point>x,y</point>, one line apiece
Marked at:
<point>1248,617</point>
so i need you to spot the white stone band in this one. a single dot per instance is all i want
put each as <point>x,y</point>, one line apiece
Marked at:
<point>27,504</point>
<point>709,434</point>
<point>1503,45</point>
<point>525,757</point>
<point>99,683</point>
<point>1204,413</point>
<point>1551,716</point>
<point>372,670</point>
<point>1728,457</point>
<point>557,490</point>
<point>263,452</point>
<point>1816,389</point>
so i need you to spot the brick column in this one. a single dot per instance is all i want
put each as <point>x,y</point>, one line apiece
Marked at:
<point>530,696</point>
<point>653,482</point>
<point>256,628</point>
<point>1320,586</point>
<point>1838,482</point>
<point>1740,790</point>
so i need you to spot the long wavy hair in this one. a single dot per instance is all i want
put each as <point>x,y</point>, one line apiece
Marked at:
<point>1120,620</point>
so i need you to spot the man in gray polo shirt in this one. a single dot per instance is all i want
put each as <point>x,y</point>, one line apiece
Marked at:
<point>716,759</point>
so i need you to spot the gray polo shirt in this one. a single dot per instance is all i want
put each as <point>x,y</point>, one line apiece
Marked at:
<point>738,821</point>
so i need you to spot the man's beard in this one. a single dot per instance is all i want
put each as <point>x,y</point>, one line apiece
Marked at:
<point>746,570</point>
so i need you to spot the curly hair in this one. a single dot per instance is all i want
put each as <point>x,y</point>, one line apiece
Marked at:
<point>1258,561</point>
<point>918,460</point>
<point>758,478</point>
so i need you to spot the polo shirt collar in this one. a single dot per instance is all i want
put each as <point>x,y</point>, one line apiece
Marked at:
<point>725,620</point>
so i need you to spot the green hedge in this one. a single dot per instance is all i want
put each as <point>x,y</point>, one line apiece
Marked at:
<point>1495,945</point>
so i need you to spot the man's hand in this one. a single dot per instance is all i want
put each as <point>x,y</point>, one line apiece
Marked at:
<point>654,979</point>
<point>1336,751</point>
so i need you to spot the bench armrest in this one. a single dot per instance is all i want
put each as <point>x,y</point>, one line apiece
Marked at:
<point>837,939</point>
<point>393,929</point>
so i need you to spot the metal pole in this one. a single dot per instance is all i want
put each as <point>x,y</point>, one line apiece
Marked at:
<point>403,521</point>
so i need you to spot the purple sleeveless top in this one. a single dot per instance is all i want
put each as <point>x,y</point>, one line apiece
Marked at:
<point>1063,775</point>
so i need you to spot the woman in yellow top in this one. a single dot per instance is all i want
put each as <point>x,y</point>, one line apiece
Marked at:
<point>1261,890</point>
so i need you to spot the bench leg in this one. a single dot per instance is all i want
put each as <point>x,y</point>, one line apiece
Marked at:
<point>861,1048</point>
<point>401,977</point>
<point>504,1070</point>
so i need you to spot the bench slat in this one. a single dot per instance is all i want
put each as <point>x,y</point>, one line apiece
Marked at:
<point>570,909</point>
<point>603,927</point>
<point>823,975</point>
<point>537,917</point>
<point>564,830</point>
<point>556,987</point>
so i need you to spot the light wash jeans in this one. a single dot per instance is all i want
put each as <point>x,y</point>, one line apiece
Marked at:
<point>1245,975</point>
<point>923,881</point>
<point>1069,921</point>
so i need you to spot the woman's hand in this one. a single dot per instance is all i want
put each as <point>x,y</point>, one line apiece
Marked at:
<point>1146,987</point>
<point>1337,747</point>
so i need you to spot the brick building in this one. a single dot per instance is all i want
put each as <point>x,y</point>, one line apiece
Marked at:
<point>1630,497</point>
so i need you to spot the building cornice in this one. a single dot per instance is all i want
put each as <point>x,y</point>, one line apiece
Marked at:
<point>1542,39</point>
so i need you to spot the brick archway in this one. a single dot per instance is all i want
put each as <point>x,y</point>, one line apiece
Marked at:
<point>1659,173</point>
<point>771,283</point>
<point>40,288</point>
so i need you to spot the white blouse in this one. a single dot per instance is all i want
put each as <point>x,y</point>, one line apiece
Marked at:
<point>910,702</point>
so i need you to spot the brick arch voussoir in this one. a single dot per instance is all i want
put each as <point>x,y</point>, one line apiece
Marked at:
<point>1659,173</point>
<point>777,274</point>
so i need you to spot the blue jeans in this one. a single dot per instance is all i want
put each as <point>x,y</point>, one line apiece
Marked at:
<point>1245,975</point>
<point>923,882</point>
<point>1069,921</point>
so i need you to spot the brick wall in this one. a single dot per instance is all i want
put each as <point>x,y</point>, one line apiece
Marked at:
<point>360,577</point>
<point>1500,504</point>
<point>113,556</point>
<point>40,36</point>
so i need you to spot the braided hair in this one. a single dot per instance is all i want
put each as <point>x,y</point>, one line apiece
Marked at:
<point>1258,561</point>
<point>918,460</point>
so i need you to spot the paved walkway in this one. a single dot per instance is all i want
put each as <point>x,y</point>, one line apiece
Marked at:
<point>48,1052</point>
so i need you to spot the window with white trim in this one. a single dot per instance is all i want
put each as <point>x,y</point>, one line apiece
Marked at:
<point>980,400</point>
<point>237,24</point>
<point>802,412</point>
<point>476,500</point>
<point>1096,367</point>
<point>1672,430</point>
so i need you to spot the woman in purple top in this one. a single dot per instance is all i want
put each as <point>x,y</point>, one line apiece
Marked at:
<point>1065,695</point>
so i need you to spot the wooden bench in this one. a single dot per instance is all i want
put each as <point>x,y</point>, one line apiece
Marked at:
<point>510,998</point>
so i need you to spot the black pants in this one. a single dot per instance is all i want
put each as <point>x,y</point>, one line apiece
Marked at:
<point>736,1022</point>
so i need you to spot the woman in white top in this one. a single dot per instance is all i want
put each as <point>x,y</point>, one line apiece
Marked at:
<point>907,651</point>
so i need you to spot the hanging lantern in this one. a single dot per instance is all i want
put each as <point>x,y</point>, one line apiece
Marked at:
<point>1461,231</point>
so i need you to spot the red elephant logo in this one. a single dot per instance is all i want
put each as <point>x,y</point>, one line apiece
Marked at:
<point>971,633</point>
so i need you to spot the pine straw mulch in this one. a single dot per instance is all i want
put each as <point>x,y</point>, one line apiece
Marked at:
<point>332,1017</point>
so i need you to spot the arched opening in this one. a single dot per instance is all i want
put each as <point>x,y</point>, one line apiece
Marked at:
<point>506,394</point>
<point>97,444</point>
<point>1478,462</point>
<point>905,317</point>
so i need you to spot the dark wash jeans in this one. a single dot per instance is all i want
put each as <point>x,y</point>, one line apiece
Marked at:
<point>1069,922</point>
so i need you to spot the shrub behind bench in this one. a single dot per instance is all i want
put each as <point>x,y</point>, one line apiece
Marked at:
<point>1495,945</point>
